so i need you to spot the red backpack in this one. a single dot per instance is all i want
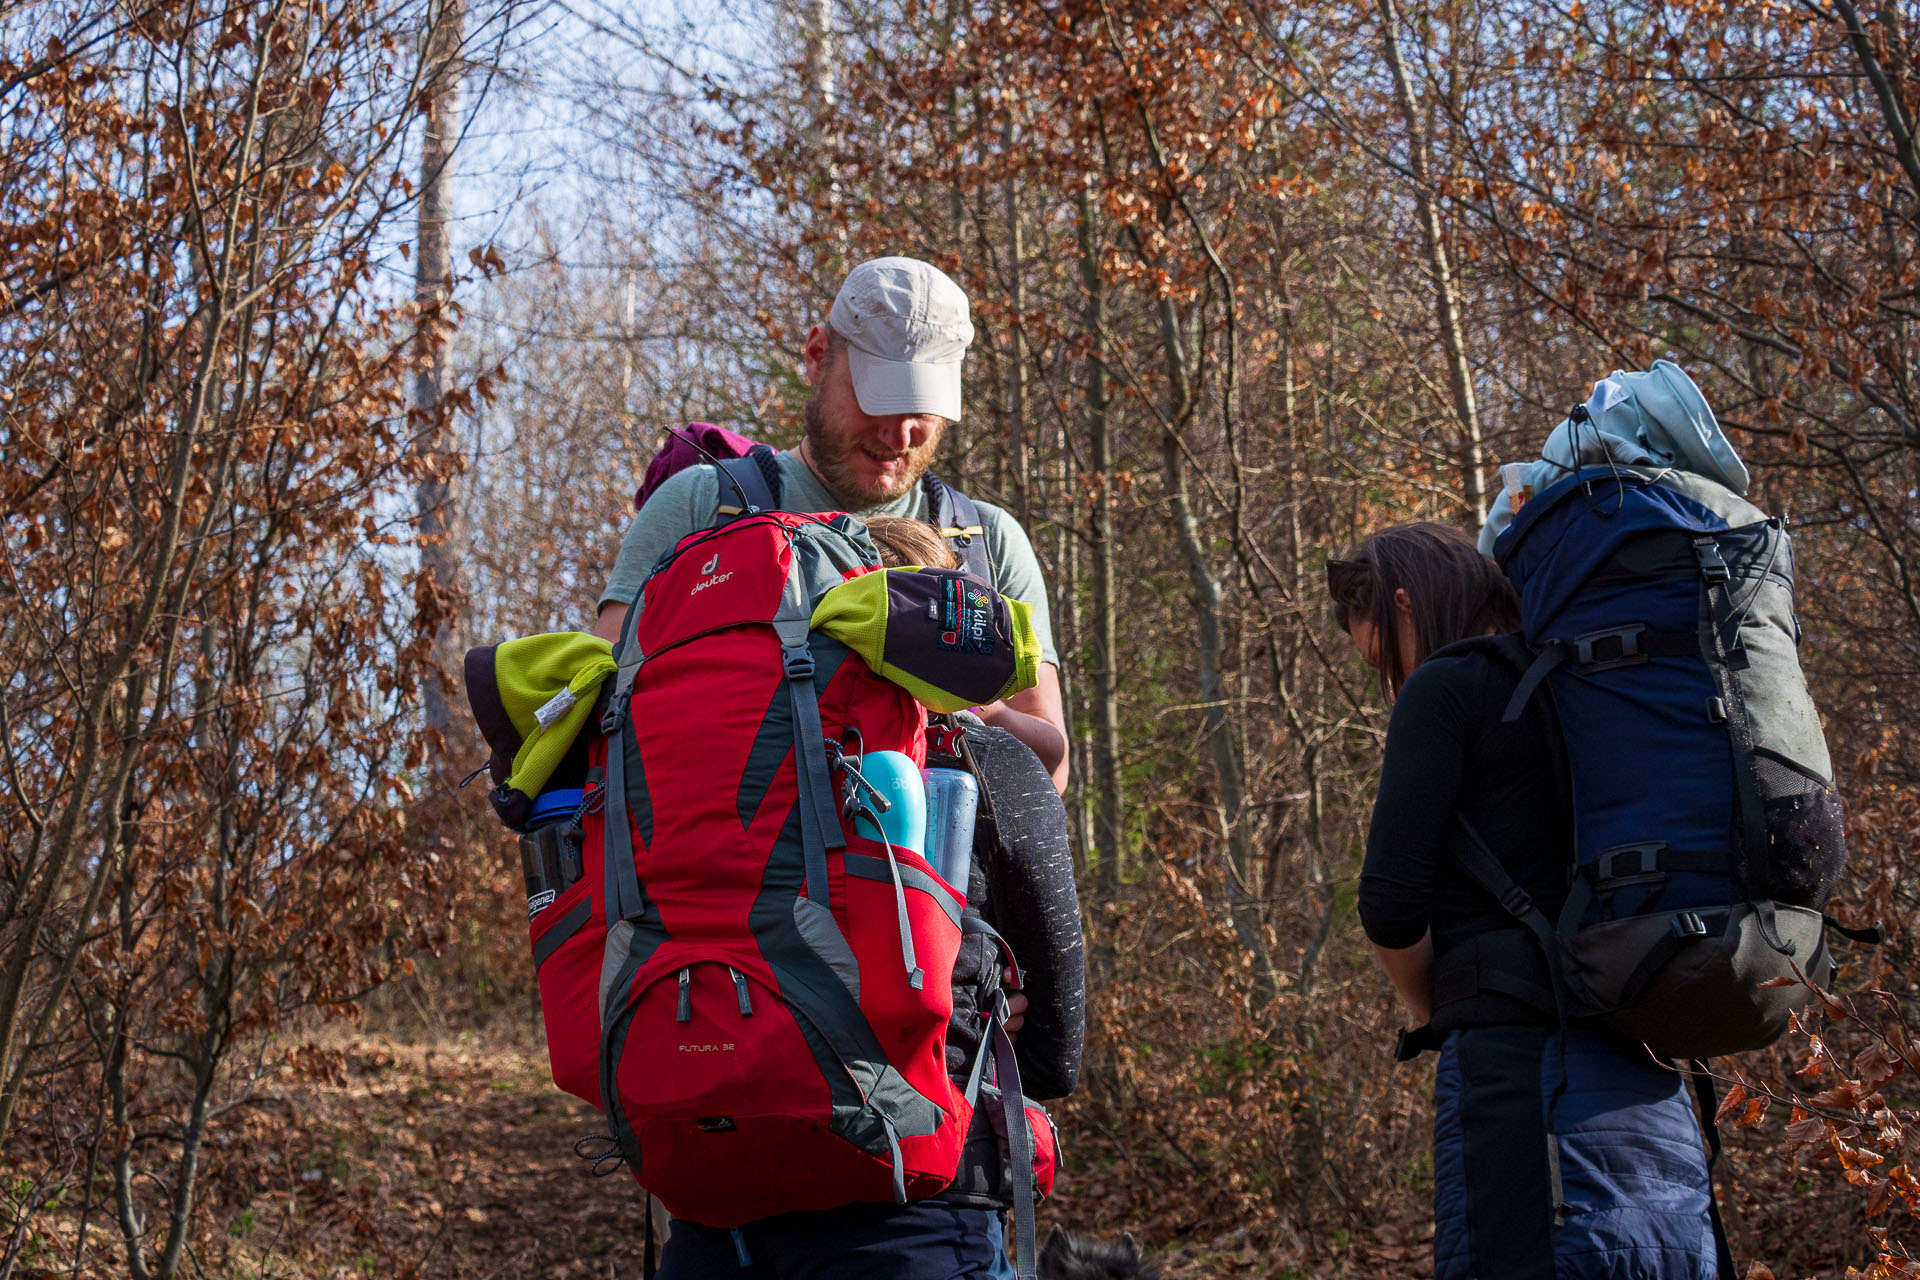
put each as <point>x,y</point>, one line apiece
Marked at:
<point>755,995</point>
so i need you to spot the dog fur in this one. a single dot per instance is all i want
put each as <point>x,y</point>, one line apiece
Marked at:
<point>1067,1256</point>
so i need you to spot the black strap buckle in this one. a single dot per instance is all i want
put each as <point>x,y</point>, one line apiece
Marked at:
<point>1610,647</point>
<point>1608,865</point>
<point>798,660</point>
<point>1688,924</point>
<point>1713,565</point>
<point>1515,901</point>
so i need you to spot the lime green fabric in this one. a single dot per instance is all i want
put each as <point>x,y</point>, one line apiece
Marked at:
<point>532,672</point>
<point>900,643</point>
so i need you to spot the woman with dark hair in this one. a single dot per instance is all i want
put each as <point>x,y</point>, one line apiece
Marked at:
<point>1558,1153</point>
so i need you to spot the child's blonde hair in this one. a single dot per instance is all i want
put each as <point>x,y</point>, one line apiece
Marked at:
<point>903,542</point>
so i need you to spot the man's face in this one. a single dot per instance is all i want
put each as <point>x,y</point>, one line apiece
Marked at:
<point>864,461</point>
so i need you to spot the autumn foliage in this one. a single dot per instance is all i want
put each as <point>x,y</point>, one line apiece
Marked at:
<point>1250,280</point>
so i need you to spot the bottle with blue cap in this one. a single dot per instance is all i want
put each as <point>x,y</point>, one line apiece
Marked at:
<point>550,857</point>
<point>902,819</point>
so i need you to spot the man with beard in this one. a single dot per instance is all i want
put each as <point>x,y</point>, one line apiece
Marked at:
<point>885,373</point>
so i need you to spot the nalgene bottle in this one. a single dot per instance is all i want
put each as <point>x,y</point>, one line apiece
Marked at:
<point>896,778</point>
<point>952,799</point>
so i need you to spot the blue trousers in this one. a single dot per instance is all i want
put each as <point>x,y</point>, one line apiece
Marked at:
<point>854,1242</point>
<point>1633,1171</point>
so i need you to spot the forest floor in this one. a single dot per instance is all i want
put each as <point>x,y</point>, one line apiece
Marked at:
<point>428,1158</point>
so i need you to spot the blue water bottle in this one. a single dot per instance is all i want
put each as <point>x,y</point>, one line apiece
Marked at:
<point>897,779</point>
<point>953,798</point>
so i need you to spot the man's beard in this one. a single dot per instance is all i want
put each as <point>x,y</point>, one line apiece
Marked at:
<point>831,454</point>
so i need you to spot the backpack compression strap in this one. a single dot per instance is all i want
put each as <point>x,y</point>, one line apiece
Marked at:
<point>958,520</point>
<point>819,819</point>
<point>1013,1107</point>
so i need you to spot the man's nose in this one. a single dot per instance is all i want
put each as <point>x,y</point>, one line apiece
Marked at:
<point>904,431</point>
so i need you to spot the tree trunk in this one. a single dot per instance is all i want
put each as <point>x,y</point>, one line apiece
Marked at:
<point>433,282</point>
<point>1230,798</point>
<point>1446,290</point>
<point>1110,800</point>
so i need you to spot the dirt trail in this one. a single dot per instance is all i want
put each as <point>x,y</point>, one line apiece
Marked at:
<point>454,1159</point>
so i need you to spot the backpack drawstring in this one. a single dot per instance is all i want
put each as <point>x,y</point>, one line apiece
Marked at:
<point>871,808</point>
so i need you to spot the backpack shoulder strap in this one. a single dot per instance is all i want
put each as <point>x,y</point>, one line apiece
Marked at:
<point>747,484</point>
<point>958,520</point>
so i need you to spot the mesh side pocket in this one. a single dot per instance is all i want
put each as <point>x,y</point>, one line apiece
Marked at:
<point>1780,779</point>
<point>1807,845</point>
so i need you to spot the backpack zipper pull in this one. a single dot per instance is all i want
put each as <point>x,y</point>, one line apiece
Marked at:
<point>740,989</point>
<point>685,1012</point>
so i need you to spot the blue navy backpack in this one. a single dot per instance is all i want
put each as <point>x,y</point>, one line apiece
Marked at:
<point>1657,623</point>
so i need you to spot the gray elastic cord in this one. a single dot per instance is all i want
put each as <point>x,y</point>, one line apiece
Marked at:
<point>899,1162</point>
<point>915,977</point>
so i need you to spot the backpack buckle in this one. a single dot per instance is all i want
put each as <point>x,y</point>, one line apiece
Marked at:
<point>1688,924</point>
<point>1515,902</point>
<point>798,662</point>
<point>1607,865</point>
<point>1713,565</point>
<point>1610,647</point>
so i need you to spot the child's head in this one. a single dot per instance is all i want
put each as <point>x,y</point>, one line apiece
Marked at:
<point>903,542</point>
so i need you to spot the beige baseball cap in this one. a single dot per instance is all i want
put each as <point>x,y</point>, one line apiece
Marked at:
<point>907,332</point>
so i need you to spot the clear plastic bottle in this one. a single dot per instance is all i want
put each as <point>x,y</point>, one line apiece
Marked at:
<point>953,799</point>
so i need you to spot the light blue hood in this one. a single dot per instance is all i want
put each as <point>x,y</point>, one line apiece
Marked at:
<point>1653,419</point>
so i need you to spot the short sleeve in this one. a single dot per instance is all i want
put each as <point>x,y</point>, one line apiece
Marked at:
<point>1017,573</point>
<point>684,503</point>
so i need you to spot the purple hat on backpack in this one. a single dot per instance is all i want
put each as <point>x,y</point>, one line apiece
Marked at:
<point>679,453</point>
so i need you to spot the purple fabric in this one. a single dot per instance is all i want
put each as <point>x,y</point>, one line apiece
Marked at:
<point>677,454</point>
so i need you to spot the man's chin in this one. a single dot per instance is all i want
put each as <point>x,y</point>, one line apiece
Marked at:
<point>876,491</point>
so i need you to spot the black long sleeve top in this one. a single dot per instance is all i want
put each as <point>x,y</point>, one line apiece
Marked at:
<point>1448,753</point>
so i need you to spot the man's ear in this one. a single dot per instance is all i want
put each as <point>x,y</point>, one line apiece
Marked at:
<point>1402,603</point>
<point>816,354</point>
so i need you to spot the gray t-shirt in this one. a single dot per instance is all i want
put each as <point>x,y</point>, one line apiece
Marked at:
<point>688,500</point>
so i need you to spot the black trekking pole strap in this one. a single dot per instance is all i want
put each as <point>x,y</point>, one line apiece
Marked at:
<point>1707,1096</point>
<point>1872,936</point>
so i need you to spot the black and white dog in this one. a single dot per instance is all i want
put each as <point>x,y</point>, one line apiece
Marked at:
<point>1066,1256</point>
